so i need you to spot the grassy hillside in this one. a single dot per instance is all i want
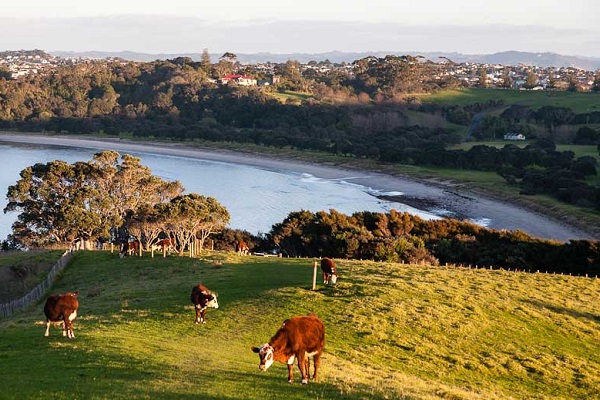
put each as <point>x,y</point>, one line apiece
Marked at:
<point>578,102</point>
<point>578,150</point>
<point>21,272</point>
<point>393,331</point>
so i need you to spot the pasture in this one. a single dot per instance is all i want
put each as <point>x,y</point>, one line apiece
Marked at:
<point>290,96</point>
<point>578,150</point>
<point>579,102</point>
<point>393,331</point>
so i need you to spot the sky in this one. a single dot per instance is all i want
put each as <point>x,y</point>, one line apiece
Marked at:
<point>303,26</point>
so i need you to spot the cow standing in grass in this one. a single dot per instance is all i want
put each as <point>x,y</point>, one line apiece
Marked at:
<point>61,309</point>
<point>242,248</point>
<point>129,248</point>
<point>329,270</point>
<point>298,338</point>
<point>202,298</point>
<point>164,246</point>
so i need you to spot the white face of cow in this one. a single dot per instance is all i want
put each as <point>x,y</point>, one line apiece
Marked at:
<point>212,302</point>
<point>266,354</point>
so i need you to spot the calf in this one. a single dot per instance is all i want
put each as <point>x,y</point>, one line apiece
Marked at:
<point>202,298</point>
<point>298,338</point>
<point>329,270</point>
<point>61,309</point>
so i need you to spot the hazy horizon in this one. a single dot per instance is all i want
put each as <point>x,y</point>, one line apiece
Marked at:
<point>283,27</point>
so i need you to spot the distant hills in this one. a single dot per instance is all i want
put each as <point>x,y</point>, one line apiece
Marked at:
<point>504,58</point>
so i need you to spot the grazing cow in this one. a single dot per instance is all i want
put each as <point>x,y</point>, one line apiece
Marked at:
<point>202,298</point>
<point>329,270</point>
<point>242,248</point>
<point>164,245</point>
<point>61,309</point>
<point>129,248</point>
<point>298,338</point>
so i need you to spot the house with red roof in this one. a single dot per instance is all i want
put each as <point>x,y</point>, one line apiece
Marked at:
<point>242,80</point>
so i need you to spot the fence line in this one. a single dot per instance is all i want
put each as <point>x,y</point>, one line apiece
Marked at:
<point>36,293</point>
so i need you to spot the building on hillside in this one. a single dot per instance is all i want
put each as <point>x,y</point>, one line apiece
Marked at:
<point>241,80</point>
<point>514,136</point>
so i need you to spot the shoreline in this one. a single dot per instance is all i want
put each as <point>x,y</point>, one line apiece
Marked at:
<point>435,197</point>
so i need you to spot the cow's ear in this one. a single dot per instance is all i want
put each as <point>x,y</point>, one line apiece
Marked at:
<point>255,349</point>
<point>76,293</point>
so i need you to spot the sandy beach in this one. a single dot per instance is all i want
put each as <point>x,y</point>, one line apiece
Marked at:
<point>430,197</point>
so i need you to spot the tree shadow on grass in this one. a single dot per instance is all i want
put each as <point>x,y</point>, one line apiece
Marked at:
<point>564,310</point>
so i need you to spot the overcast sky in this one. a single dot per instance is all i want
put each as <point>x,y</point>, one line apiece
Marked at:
<point>311,26</point>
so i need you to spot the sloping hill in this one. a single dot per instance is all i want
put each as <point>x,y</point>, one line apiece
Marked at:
<point>393,331</point>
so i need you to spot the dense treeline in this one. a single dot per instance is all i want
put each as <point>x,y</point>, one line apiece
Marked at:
<point>402,237</point>
<point>364,114</point>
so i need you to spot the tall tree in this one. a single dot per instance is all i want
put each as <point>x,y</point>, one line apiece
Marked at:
<point>507,80</point>
<point>193,216</point>
<point>482,83</point>
<point>531,80</point>
<point>205,62</point>
<point>59,201</point>
<point>596,84</point>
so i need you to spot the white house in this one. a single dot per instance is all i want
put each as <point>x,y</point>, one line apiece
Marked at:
<point>241,80</point>
<point>514,136</point>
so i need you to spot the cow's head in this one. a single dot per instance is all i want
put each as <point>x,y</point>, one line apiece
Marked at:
<point>266,354</point>
<point>211,300</point>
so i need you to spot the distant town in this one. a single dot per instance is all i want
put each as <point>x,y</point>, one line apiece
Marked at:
<point>16,64</point>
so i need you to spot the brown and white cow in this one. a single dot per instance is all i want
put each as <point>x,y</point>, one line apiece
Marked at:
<point>329,270</point>
<point>164,245</point>
<point>62,309</point>
<point>129,248</point>
<point>298,338</point>
<point>202,298</point>
<point>242,248</point>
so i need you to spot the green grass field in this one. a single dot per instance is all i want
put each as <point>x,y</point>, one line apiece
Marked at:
<point>289,95</point>
<point>578,102</point>
<point>392,332</point>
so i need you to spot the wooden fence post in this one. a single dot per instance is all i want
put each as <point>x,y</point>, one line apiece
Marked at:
<point>314,281</point>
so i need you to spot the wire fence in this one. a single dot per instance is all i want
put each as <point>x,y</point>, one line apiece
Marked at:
<point>38,292</point>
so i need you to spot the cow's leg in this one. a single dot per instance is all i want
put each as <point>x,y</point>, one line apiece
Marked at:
<point>302,367</point>
<point>65,326</point>
<point>197,320</point>
<point>290,372</point>
<point>47,328</point>
<point>317,364</point>
<point>69,327</point>
<point>307,367</point>
<point>202,315</point>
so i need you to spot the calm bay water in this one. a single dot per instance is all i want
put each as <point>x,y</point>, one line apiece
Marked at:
<point>256,198</point>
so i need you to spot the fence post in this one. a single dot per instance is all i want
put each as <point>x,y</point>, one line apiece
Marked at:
<point>314,281</point>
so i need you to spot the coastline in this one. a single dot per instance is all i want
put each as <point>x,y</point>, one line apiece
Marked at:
<point>436,197</point>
